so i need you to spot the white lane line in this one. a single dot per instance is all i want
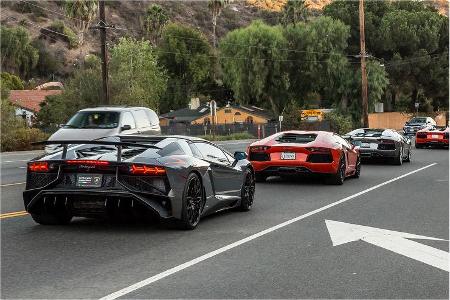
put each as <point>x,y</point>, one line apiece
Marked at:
<point>13,161</point>
<point>11,184</point>
<point>206,256</point>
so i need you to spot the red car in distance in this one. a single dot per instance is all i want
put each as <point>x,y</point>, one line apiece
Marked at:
<point>292,153</point>
<point>436,136</point>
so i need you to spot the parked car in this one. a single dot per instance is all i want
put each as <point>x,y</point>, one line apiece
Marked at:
<point>381,144</point>
<point>436,136</point>
<point>418,123</point>
<point>138,176</point>
<point>95,123</point>
<point>291,153</point>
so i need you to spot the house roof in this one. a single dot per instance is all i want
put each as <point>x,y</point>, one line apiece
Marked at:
<point>254,110</point>
<point>187,114</point>
<point>30,99</point>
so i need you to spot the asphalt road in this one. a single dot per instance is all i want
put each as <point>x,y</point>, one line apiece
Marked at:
<point>283,248</point>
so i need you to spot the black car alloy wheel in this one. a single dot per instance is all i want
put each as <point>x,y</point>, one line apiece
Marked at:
<point>193,202</point>
<point>248,191</point>
<point>339,177</point>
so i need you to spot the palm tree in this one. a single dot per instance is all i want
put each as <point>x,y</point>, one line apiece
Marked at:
<point>155,20</point>
<point>216,7</point>
<point>83,12</point>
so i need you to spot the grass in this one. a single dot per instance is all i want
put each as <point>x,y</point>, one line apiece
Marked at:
<point>234,136</point>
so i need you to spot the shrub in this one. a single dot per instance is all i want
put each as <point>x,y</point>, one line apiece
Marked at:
<point>69,36</point>
<point>48,63</point>
<point>339,122</point>
<point>11,81</point>
<point>20,138</point>
<point>234,136</point>
<point>25,7</point>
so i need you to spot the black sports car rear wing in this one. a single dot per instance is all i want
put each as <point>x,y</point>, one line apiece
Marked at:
<point>65,144</point>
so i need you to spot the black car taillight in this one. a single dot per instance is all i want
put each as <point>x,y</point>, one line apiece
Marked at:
<point>421,135</point>
<point>319,150</point>
<point>259,148</point>
<point>137,169</point>
<point>38,166</point>
<point>259,153</point>
<point>386,145</point>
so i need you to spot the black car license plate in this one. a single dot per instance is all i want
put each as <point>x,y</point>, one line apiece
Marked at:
<point>89,180</point>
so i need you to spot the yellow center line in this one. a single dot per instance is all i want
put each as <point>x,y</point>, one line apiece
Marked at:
<point>13,214</point>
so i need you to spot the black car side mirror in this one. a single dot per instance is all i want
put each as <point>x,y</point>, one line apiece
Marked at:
<point>240,155</point>
<point>125,127</point>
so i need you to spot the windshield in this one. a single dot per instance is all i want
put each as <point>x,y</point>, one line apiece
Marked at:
<point>94,119</point>
<point>418,120</point>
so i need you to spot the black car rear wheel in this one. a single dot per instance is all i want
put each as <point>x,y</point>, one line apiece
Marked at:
<point>399,159</point>
<point>357,169</point>
<point>247,191</point>
<point>192,203</point>
<point>339,177</point>
<point>47,218</point>
<point>408,158</point>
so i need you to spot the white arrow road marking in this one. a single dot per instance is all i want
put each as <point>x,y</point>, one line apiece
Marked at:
<point>394,241</point>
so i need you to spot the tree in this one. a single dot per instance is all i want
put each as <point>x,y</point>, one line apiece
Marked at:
<point>410,37</point>
<point>317,62</point>
<point>136,77</point>
<point>82,90</point>
<point>155,20</point>
<point>254,65</point>
<point>17,54</point>
<point>10,82</point>
<point>294,11</point>
<point>216,7</point>
<point>82,12</point>
<point>187,56</point>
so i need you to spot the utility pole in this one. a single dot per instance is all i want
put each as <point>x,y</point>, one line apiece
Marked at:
<point>364,92</point>
<point>104,53</point>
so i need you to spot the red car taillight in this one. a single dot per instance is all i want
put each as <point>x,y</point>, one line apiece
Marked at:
<point>147,170</point>
<point>88,162</point>
<point>259,148</point>
<point>319,150</point>
<point>38,166</point>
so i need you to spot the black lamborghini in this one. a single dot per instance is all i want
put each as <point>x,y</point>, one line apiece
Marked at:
<point>172,177</point>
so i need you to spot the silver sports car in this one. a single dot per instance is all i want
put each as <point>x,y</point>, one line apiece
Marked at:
<point>172,177</point>
<point>381,144</point>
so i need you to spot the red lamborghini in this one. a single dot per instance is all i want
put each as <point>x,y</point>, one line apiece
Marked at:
<point>305,152</point>
<point>436,136</point>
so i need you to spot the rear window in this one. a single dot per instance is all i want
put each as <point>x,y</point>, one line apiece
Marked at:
<point>152,116</point>
<point>418,120</point>
<point>94,119</point>
<point>141,119</point>
<point>296,138</point>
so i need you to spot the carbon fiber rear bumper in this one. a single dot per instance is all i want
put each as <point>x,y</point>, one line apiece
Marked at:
<point>95,202</point>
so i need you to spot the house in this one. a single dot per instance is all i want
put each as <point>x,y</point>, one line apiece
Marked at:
<point>241,114</point>
<point>200,114</point>
<point>27,102</point>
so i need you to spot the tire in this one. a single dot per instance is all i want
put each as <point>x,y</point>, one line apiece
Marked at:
<point>259,177</point>
<point>247,191</point>
<point>399,159</point>
<point>193,202</point>
<point>339,177</point>
<point>358,169</point>
<point>52,218</point>
<point>408,158</point>
<point>418,146</point>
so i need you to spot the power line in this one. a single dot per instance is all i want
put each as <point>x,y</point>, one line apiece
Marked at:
<point>50,10</point>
